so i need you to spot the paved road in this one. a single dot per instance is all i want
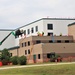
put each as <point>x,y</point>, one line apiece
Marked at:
<point>24,66</point>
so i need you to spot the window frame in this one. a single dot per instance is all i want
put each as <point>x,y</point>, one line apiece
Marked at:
<point>38,41</point>
<point>25,52</point>
<point>39,56</point>
<point>28,51</point>
<point>32,30</point>
<point>36,28</point>
<point>28,31</point>
<point>50,26</point>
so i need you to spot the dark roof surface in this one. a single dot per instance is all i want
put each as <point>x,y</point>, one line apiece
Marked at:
<point>71,24</point>
<point>16,47</point>
<point>6,29</point>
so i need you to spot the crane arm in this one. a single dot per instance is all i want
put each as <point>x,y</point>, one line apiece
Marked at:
<point>7,37</point>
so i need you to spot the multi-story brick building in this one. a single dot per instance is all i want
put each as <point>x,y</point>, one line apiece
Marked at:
<point>40,48</point>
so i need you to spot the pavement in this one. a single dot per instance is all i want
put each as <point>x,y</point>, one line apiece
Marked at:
<point>26,66</point>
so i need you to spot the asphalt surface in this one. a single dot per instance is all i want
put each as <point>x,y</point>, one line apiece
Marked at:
<point>25,66</point>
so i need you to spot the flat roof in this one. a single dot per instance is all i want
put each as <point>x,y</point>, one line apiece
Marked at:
<point>46,19</point>
<point>6,29</point>
<point>37,21</point>
<point>16,47</point>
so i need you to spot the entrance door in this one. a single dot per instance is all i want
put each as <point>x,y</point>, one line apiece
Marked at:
<point>34,58</point>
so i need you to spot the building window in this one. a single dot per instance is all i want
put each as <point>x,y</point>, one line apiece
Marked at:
<point>38,56</point>
<point>36,28</point>
<point>50,34</point>
<point>58,41</point>
<point>50,55</point>
<point>38,41</point>
<point>28,31</point>
<point>25,52</point>
<point>50,26</point>
<point>66,41</point>
<point>28,51</point>
<point>11,54</point>
<point>25,44</point>
<point>32,30</point>
<point>28,43</point>
<point>22,44</point>
<point>50,41</point>
<point>24,32</point>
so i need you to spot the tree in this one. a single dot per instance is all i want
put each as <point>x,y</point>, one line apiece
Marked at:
<point>5,56</point>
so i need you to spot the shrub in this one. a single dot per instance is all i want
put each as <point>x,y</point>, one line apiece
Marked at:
<point>22,60</point>
<point>14,60</point>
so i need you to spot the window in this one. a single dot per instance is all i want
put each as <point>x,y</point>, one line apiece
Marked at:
<point>28,51</point>
<point>50,41</point>
<point>32,30</point>
<point>28,31</point>
<point>50,34</point>
<point>25,52</point>
<point>10,54</point>
<point>38,56</point>
<point>28,43</point>
<point>36,28</point>
<point>50,26</point>
<point>24,32</point>
<point>25,44</point>
<point>58,41</point>
<point>38,41</point>
<point>22,44</point>
<point>66,41</point>
<point>50,55</point>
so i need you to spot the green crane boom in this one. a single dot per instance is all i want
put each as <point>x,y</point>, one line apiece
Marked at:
<point>7,37</point>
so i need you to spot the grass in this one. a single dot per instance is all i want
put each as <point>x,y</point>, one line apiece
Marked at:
<point>68,69</point>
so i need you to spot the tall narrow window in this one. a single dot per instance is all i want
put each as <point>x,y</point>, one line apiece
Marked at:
<point>32,30</point>
<point>28,31</point>
<point>28,51</point>
<point>36,28</point>
<point>11,54</point>
<point>50,26</point>
<point>38,56</point>
<point>25,52</point>
<point>22,44</point>
<point>28,43</point>
<point>24,32</point>
<point>25,44</point>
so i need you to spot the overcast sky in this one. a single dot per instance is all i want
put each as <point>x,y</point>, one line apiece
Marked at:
<point>16,13</point>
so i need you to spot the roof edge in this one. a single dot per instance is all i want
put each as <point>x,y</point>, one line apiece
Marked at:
<point>71,24</point>
<point>46,19</point>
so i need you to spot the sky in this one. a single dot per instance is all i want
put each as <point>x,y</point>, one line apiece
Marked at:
<point>16,13</point>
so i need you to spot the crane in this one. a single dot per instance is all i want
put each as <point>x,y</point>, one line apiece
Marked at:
<point>7,37</point>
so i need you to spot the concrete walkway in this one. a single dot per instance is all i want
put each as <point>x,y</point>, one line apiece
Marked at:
<point>25,66</point>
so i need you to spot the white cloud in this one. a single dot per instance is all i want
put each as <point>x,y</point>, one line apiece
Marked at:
<point>15,13</point>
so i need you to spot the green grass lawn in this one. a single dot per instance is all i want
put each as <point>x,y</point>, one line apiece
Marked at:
<point>68,69</point>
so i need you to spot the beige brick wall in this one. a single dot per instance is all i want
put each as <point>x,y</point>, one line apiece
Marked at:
<point>14,52</point>
<point>71,31</point>
<point>59,48</point>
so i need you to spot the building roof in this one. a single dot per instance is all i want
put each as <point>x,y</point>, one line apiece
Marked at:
<point>47,19</point>
<point>37,21</point>
<point>12,48</point>
<point>6,29</point>
<point>71,24</point>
